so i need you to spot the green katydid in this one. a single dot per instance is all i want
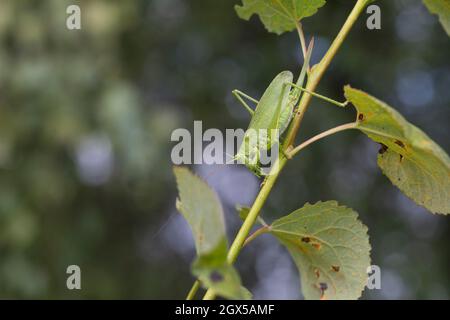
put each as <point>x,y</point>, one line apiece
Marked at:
<point>273,113</point>
<point>264,128</point>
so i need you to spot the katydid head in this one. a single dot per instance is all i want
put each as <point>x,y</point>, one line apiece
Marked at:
<point>251,161</point>
<point>249,151</point>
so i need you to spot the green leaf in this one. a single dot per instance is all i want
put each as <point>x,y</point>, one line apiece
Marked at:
<point>408,157</point>
<point>201,207</point>
<point>246,294</point>
<point>243,212</point>
<point>442,9</point>
<point>330,247</point>
<point>279,15</point>
<point>222,279</point>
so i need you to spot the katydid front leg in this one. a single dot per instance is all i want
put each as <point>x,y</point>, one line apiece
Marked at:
<point>239,94</point>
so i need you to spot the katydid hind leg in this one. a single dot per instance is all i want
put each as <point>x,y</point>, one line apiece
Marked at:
<point>339,104</point>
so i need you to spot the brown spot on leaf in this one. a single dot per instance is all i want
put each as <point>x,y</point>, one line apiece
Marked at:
<point>323,287</point>
<point>401,158</point>
<point>361,117</point>
<point>316,245</point>
<point>215,276</point>
<point>335,268</point>
<point>383,148</point>
<point>399,143</point>
<point>306,239</point>
<point>317,273</point>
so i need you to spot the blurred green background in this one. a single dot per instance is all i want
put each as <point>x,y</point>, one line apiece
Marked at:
<point>85,124</point>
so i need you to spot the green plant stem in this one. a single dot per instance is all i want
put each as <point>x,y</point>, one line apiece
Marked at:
<point>318,70</point>
<point>347,126</point>
<point>193,291</point>
<point>252,216</point>
<point>313,81</point>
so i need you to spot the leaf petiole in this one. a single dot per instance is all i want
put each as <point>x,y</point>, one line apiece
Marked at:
<point>301,35</point>
<point>291,153</point>
<point>257,233</point>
